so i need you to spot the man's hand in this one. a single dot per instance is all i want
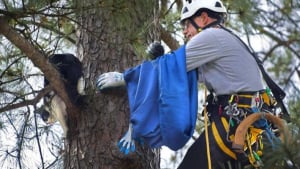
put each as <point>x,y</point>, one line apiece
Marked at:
<point>109,80</point>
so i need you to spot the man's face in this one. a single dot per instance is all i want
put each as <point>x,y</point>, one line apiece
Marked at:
<point>188,30</point>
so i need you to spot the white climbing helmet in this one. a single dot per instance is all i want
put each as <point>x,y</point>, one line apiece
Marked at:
<point>190,8</point>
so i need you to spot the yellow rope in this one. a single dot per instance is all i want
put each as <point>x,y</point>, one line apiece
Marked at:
<point>206,131</point>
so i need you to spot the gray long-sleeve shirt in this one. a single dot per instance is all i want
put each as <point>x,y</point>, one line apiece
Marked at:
<point>225,66</point>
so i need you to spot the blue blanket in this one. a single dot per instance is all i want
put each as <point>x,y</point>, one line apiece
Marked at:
<point>163,100</point>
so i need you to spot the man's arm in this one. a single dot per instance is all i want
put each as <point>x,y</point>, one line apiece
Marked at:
<point>116,79</point>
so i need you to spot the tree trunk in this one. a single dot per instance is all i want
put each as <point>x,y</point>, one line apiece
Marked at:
<point>108,31</point>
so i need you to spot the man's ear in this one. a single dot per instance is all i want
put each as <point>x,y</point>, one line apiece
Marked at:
<point>204,18</point>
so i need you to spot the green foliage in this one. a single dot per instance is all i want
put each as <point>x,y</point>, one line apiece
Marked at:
<point>244,10</point>
<point>51,27</point>
<point>35,5</point>
<point>294,107</point>
<point>171,21</point>
<point>284,155</point>
<point>48,26</point>
<point>282,64</point>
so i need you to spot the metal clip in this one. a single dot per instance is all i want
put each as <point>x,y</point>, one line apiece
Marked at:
<point>232,110</point>
<point>235,111</point>
<point>256,103</point>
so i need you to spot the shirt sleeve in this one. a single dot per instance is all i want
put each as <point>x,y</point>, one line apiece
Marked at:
<point>201,49</point>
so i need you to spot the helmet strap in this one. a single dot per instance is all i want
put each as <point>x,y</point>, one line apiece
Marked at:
<point>214,23</point>
<point>198,28</point>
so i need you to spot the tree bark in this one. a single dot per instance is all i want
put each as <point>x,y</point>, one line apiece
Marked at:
<point>107,33</point>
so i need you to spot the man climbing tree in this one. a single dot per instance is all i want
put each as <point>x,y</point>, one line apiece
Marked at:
<point>110,36</point>
<point>229,71</point>
<point>104,43</point>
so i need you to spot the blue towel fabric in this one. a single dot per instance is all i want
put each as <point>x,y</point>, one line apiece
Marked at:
<point>163,100</point>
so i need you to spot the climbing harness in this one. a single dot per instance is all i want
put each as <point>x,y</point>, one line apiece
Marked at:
<point>228,112</point>
<point>253,136</point>
<point>243,136</point>
<point>260,103</point>
<point>277,92</point>
<point>220,142</point>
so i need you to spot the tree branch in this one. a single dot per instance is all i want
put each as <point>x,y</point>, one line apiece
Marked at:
<point>168,39</point>
<point>34,101</point>
<point>40,61</point>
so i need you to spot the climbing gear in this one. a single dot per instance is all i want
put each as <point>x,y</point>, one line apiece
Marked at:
<point>246,136</point>
<point>226,149</point>
<point>206,131</point>
<point>278,93</point>
<point>245,99</point>
<point>253,135</point>
<point>110,79</point>
<point>260,106</point>
<point>253,155</point>
<point>190,8</point>
<point>228,112</point>
<point>193,8</point>
<point>240,133</point>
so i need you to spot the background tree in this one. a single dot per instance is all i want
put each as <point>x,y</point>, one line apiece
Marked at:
<point>94,131</point>
<point>112,36</point>
<point>109,39</point>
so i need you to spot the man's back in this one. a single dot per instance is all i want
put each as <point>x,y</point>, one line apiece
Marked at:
<point>224,64</point>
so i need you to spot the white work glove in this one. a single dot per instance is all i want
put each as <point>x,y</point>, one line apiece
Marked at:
<point>109,80</point>
<point>126,144</point>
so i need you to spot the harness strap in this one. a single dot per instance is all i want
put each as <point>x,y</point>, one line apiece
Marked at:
<point>243,100</point>
<point>221,126</point>
<point>279,94</point>
<point>199,29</point>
